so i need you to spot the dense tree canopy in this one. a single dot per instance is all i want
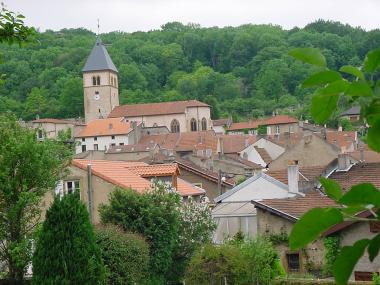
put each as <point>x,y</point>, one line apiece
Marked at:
<point>239,70</point>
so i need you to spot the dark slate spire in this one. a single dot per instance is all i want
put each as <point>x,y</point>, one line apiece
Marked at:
<point>99,58</point>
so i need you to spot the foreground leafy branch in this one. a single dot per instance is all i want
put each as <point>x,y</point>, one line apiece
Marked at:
<point>362,201</point>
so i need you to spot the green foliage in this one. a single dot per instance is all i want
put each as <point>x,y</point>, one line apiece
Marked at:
<point>235,70</point>
<point>28,169</point>
<point>360,197</point>
<point>66,251</point>
<point>125,255</point>
<point>281,238</point>
<point>331,251</point>
<point>246,262</point>
<point>376,279</point>
<point>346,124</point>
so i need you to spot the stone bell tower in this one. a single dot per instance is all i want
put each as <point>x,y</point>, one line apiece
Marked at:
<point>100,83</point>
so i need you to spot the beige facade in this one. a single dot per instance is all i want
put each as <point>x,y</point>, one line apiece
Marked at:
<point>310,258</point>
<point>184,119</point>
<point>100,99</point>
<point>51,129</point>
<point>282,128</point>
<point>310,151</point>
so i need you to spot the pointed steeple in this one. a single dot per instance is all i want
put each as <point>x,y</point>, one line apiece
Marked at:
<point>99,58</point>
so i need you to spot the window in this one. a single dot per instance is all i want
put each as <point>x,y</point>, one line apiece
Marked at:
<point>374,227</point>
<point>121,143</point>
<point>111,80</point>
<point>95,138</point>
<point>204,124</point>
<point>174,126</point>
<point>115,81</point>
<point>83,139</point>
<point>193,125</point>
<point>155,125</point>
<point>93,80</point>
<point>363,276</point>
<point>96,147</point>
<point>277,129</point>
<point>71,186</point>
<point>40,134</point>
<point>113,144</point>
<point>83,148</point>
<point>113,137</point>
<point>290,129</point>
<point>293,260</point>
<point>98,80</point>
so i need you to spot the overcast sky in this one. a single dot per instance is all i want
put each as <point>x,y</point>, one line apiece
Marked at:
<point>143,15</point>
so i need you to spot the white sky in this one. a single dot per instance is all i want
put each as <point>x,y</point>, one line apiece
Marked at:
<point>143,15</point>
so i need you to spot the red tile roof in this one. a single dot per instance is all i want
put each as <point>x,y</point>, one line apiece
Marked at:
<point>220,122</point>
<point>310,173</point>
<point>106,127</point>
<point>275,120</point>
<point>264,154</point>
<point>295,207</point>
<point>370,156</point>
<point>131,174</point>
<point>152,109</point>
<point>344,140</point>
<point>359,173</point>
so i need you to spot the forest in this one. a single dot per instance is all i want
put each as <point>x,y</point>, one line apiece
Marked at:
<point>244,72</point>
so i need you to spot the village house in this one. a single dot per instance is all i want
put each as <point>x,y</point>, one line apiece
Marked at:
<point>101,134</point>
<point>273,125</point>
<point>277,216</point>
<point>352,114</point>
<point>96,179</point>
<point>221,125</point>
<point>52,128</point>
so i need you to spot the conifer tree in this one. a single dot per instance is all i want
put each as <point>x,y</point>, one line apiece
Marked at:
<point>66,251</point>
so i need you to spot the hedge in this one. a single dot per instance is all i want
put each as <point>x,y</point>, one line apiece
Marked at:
<point>315,282</point>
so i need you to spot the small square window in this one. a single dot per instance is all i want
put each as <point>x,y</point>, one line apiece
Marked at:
<point>83,139</point>
<point>72,186</point>
<point>113,144</point>
<point>83,148</point>
<point>121,143</point>
<point>96,147</point>
<point>293,260</point>
<point>113,137</point>
<point>95,138</point>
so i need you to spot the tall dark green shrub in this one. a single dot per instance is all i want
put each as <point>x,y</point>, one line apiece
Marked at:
<point>66,252</point>
<point>125,255</point>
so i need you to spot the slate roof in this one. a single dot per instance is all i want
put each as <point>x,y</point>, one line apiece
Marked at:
<point>99,59</point>
<point>126,174</point>
<point>355,110</point>
<point>152,109</point>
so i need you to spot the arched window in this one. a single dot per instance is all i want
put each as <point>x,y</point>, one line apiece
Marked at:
<point>174,126</point>
<point>93,80</point>
<point>98,80</point>
<point>204,124</point>
<point>193,125</point>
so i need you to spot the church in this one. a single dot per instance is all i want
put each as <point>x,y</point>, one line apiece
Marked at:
<point>101,100</point>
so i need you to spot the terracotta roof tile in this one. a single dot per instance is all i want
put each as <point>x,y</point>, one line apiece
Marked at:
<point>359,173</point>
<point>127,174</point>
<point>285,140</point>
<point>264,154</point>
<point>275,120</point>
<point>370,156</point>
<point>106,127</point>
<point>220,122</point>
<point>152,109</point>
<point>344,140</point>
<point>297,206</point>
<point>306,173</point>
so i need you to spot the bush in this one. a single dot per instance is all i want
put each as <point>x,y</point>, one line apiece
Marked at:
<point>66,252</point>
<point>125,255</point>
<point>235,262</point>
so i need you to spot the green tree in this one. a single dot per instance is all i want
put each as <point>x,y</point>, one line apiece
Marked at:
<point>66,251</point>
<point>28,169</point>
<point>70,97</point>
<point>125,255</point>
<point>361,86</point>
<point>36,103</point>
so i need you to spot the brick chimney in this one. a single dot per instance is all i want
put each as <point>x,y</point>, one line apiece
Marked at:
<point>293,176</point>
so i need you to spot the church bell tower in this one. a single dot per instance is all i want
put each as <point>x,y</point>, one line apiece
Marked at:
<point>100,83</point>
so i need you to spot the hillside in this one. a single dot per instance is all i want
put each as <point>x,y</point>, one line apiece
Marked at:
<point>243,71</point>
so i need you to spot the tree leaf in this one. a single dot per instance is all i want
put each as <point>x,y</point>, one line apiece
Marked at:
<point>349,69</point>
<point>374,247</point>
<point>312,224</point>
<point>372,61</point>
<point>332,188</point>
<point>322,78</point>
<point>346,260</point>
<point>372,111</point>
<point>373,136</point>
<point>322,106</point>
<point>359,88</point>
<point>309,55</point>
<point>361,194</point>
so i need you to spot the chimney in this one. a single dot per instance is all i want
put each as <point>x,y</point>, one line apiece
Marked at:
<point>340,129</point>
<point>343,161</point>
<point>220,147</point>
<point>293,176</point>
<point>362,154</point>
